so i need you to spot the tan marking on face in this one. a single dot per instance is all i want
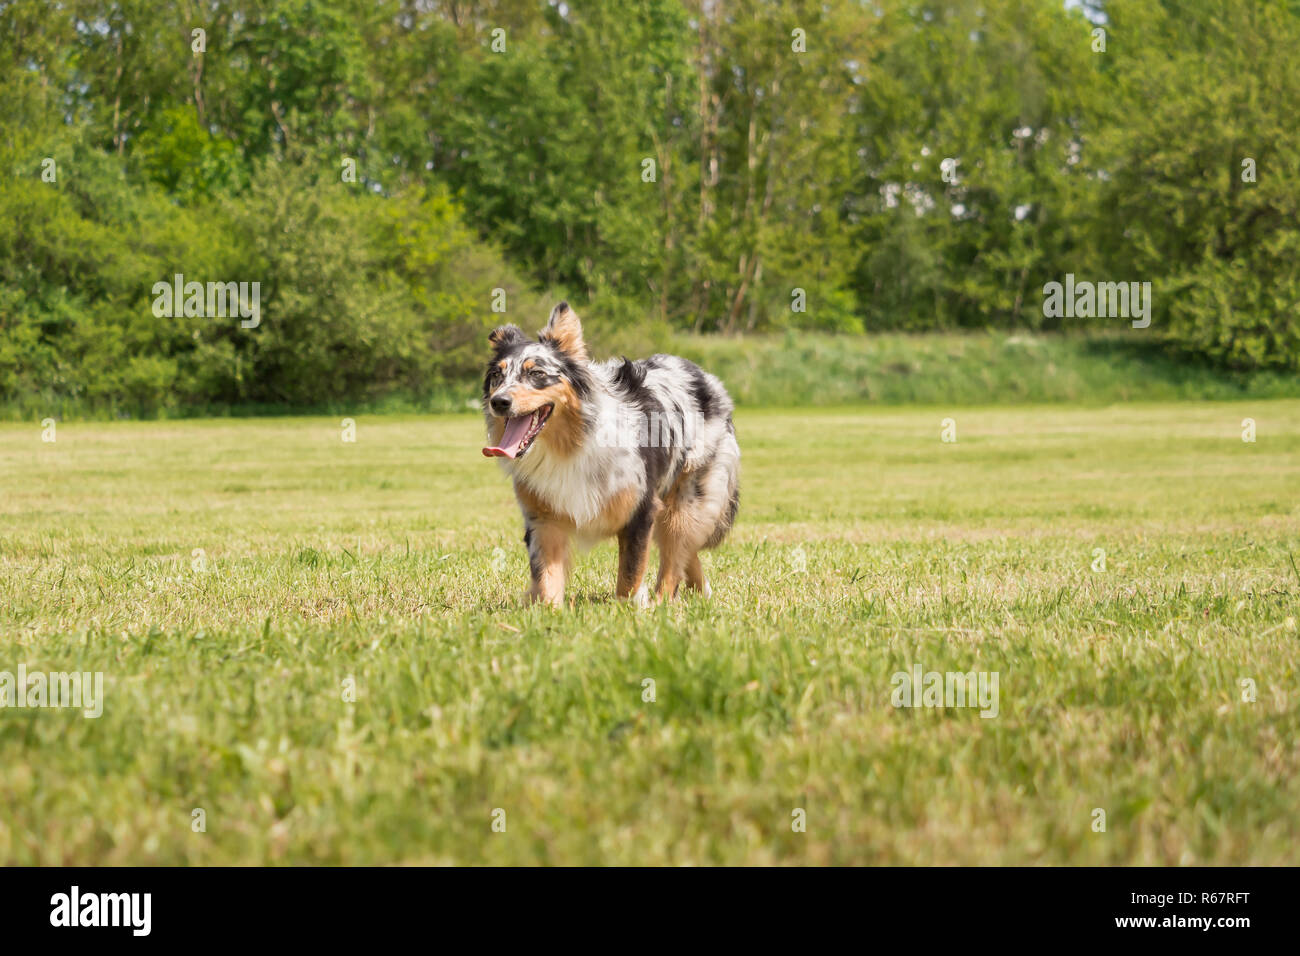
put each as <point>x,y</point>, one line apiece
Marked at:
<point>529,364</point>
<point>502,364</point>
<point>528,399</point>
<point>563,429</point>
<point>563,433</point>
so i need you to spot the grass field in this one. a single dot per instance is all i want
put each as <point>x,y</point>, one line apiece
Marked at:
<point>235,580</point>
<point>803,369</point>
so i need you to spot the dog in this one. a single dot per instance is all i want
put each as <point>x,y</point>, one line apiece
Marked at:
<point>624,449</point>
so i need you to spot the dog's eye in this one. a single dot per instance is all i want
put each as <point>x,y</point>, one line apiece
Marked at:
<point>538,376</point>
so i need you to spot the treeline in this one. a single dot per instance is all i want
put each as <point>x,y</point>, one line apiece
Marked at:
<point>391,170</point>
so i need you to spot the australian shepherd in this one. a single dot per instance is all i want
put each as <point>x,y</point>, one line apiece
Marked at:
<point>622,449</point>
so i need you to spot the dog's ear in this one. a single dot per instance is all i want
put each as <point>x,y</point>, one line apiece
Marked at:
<point>565,332</point>
<point>505,335</point>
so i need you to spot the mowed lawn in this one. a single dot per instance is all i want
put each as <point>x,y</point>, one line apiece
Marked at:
<point>238,582</point>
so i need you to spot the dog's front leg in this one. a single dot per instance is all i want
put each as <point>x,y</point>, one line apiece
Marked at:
<point>548,561</point>
<point>634,554</point>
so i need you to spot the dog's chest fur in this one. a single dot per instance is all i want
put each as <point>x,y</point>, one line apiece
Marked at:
<point>590,486</point>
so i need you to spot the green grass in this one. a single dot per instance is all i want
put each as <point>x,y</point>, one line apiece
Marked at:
<point>801,369</point>
<point>375,562</point>
<point>968,368</point>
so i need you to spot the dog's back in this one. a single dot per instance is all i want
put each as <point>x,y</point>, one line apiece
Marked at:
<point>685,410</point>
<point>687,440</point>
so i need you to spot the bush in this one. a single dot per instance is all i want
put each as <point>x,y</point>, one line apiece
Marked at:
<point>360,295</point>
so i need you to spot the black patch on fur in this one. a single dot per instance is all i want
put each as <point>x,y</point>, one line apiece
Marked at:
<point>661,464</point>
<point>506,341</point>
<point>487,377</point>
<point>706,399</point>
<point>534,559</point>
<point>577,375</point>
<point>635,535</point>
<point>504,336</point>
<point>575,372</point>
<point>629,377</point>
<point>656,457</point>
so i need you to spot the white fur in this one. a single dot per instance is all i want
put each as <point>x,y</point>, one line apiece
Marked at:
<point>580,485</point>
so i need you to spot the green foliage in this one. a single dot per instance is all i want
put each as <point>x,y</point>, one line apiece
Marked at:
<point>999,91</point>
<point>756,166</point>
<point>1215,161</point>
<point>371,296</point>
<point>185,159</point>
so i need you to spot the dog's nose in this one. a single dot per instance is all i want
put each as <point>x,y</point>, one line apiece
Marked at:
<point>500,404</point>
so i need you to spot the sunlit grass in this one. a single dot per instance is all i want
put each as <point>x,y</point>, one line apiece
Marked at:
<point>233,578</point>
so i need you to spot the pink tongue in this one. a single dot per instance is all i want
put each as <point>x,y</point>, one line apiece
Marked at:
<point>511,438</point>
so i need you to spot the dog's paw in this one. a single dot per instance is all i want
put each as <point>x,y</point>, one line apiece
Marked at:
<point>553,600</point>
<point>641,599</point>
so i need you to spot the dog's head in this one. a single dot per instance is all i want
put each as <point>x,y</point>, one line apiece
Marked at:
<point>535,389</point>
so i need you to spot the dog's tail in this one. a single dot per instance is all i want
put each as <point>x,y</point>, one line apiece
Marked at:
<point>728,457</point>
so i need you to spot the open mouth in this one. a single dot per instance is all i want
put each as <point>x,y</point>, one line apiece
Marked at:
<point>519,434</point>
